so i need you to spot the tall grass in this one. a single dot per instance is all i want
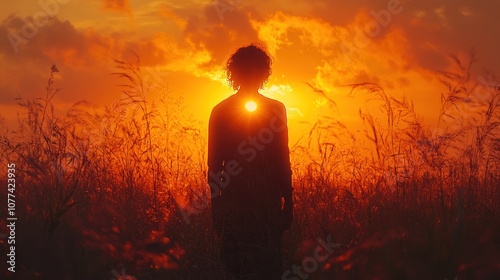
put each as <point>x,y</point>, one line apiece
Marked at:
<point>435,192</point>
<point>101,189</point>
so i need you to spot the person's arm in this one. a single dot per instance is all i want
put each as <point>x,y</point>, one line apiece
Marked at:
<point>286,172</point>
<point>214,167</point>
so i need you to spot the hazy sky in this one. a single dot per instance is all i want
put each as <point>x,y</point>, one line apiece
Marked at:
<point>329,44</point>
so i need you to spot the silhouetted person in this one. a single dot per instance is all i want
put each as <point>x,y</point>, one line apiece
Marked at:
<point>249,170</point>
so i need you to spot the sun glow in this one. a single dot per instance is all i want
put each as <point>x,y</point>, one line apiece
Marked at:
<point>251,106</point>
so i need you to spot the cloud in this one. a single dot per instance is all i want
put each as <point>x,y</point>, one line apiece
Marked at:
<point>117,5</point>
<point>329,56</point>
<point>57,40</point>
<point>83,56</point>
<point>219,37</point>
<point>431,30</point>
<point>323,42</point>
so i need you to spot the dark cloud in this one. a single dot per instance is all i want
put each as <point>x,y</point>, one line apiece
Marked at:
<point>46,43</point>
<point>84,58</point>
<point>220,33</point>
<point>433,29</point>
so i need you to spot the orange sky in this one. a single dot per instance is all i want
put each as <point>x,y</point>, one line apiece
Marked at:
<point>326,43</point>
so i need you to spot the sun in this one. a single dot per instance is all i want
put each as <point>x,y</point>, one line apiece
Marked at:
<point>251,106</point>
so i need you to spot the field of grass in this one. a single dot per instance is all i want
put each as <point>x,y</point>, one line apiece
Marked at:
<point>120,193</point>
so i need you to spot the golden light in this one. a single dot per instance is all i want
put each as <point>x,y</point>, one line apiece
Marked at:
<point>251,106</point>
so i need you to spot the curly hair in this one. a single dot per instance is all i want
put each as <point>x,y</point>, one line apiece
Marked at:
<point>249,65</point>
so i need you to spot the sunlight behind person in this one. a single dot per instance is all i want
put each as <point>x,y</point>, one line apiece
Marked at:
<point>251,106</point>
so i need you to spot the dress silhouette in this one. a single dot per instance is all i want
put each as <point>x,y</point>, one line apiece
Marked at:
<point>249,171</point>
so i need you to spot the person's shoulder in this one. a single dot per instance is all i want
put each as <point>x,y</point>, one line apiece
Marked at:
<point>274,104</point>
<point>223,105</point>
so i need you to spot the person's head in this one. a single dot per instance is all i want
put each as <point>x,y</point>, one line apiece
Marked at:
<point>248,68</point>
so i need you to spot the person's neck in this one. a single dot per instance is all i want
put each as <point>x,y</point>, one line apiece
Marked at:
<point>248,91</point>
